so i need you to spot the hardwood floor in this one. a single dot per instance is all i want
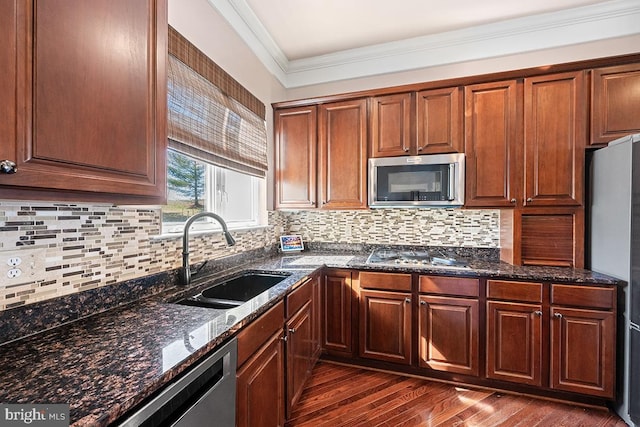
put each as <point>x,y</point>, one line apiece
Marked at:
<point>339,395</point>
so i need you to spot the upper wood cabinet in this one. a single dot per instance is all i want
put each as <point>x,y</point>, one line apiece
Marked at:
<point>342,154</point>
<point>492,144</point>
<point>439,121</point>
<point>390,125</point>
<point>84,88</point>
<point>295,157</point>
<point>433,124</point>
<point>615,102</point>
<point>555,124</point>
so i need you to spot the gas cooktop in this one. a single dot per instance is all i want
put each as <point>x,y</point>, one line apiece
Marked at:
<point>417,258</point>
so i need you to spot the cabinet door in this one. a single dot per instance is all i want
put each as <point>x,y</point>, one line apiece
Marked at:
<point>492,145</point>
<point>295,162</point>
<point>390,125</point>
<point>439,121</point>
<point>615,102</point>
<point>317,319</point>
<point>555,121</point>
<point>260,387</point>
<point>583,351</point>
<point>514,342</point>
<point>342,146</point>
<point>448,334</point>
<point>12,69</point>
<point>337,295</point>
<point>385,326</point>
<point>95,116</point>
<point>299,353</point>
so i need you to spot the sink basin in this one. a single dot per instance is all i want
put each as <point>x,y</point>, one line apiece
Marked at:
<point>234,291</point>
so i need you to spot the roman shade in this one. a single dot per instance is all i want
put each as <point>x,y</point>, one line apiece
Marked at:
<point>206,123</point>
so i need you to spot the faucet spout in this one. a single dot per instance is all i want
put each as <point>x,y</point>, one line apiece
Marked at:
<point>186,270</point>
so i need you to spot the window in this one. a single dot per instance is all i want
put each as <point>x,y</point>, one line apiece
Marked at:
<point>195,186</point>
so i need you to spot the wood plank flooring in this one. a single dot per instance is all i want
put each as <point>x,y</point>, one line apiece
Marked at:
<point>339,395</point>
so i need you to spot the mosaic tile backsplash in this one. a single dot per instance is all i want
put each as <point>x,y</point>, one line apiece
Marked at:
<point>90,246</point>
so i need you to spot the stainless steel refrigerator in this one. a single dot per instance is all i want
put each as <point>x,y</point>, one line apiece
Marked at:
<point>615,250</point>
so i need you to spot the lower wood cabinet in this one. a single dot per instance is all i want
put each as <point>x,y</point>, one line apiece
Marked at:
<point>579,349</point>
<point>583,339</point>
<point>448,325</point>
<point>299,330</point>
<point>337,311</point>
<point>514,342</point>
<point>385,326</point>
<point>260,387</point>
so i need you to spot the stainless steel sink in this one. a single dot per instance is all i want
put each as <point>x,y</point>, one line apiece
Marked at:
<point>234,291</point>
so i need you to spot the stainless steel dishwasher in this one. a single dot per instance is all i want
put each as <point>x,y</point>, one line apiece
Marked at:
<point>205,395</point>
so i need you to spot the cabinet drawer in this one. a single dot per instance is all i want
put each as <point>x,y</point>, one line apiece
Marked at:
<point>386,281</point>
<point>583,296</point>
<point>251,338</point>
<point>514,291</point>
<point>449,286</point>
<point>299,297</point>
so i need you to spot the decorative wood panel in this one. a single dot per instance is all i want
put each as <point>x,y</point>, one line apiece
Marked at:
<point>548,239</point>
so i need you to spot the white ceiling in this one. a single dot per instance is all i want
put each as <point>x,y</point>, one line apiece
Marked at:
<point>314,41</point>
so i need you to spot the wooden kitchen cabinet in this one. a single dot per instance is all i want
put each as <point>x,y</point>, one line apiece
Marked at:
<point>385,317</point>
<point>493,148</point>
<point>555,124</point>
<point>299,330</point>
<point>583,339</point>
<point>514,331</point>
<point>81,123</point>
<point>448,325</point>
<point>615,102</point>
<point>385,326</point>
<point>260,388</point>
<point>439,121</point>
<point>295,157</point>
<point>342,154</point>
<point>390,125</point>
<point>337,297</point>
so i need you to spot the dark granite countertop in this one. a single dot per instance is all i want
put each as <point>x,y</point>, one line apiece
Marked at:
<point>106,364</point>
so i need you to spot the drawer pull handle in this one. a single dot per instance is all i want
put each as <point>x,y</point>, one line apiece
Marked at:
<point>537,313</point>
<point>529,199</point>
<point>407,300</point>
<point>292,330</point>
<point>558,315</point>
<point>512,200</point>
<point>423,303</point>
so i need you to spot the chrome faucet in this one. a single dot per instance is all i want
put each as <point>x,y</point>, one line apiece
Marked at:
<point>186,270</point>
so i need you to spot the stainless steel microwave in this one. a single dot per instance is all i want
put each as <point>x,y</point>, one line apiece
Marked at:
<point>417,181</point>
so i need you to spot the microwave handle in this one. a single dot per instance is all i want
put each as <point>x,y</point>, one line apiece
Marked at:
<point>452,177</point>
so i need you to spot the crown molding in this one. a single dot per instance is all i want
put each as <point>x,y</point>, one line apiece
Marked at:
<point>584,24</point>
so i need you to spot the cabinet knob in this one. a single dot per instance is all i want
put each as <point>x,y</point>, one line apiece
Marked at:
<point>292,330</point>
<point>537,313</point>
<point>8,167</point>
<point>420,148</point>
<point>512,200</point>
<point>529,199</point>
<point>558,315</point>
<point>407,300</point>
<point>423,303</point>
<point>284,338</point>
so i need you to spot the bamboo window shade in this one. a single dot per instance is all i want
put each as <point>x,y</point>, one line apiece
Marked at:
<point>211,116</point>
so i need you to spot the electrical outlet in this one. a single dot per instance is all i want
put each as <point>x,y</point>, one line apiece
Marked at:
<point>22,266</point>
<point>14,273</point>
<point>14,261</point>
